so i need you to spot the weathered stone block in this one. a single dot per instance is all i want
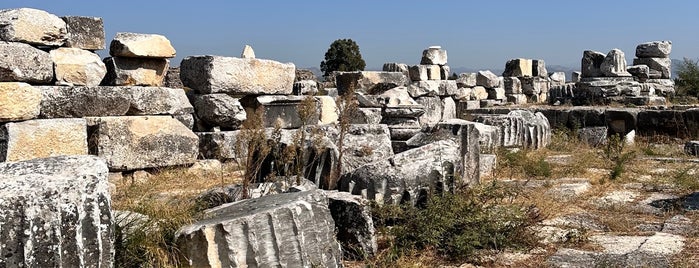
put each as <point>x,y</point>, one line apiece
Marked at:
<point>305,87</point>
<point>655,49</point>
<point>621,120</point>
<point>517,99</point>
<point>364,144</point>
<point>247,53</point>
<point>575,77</point>
<point>444,71</point>
<point>24,63</point>
<point>327,110</point>
<point>354,225</point>
<point>277,110</point>
<point>219,110</point>
<point>32,26</point>
<point>692,148</point>
<point>558,78</point>
<point>294,229</point>
<point>487,79</point>
<point>218,145</point>
<point>85,32</point>
<point>496,93</point>
<point>434,72</point>
<point>56,212</point>
<point>518,68</point>
<point>659,67</point>
<point>539,68</point>
<point>158,101</point>
<point>434,55</point>
<point>74,66</point>
<point>366,116</point>
<point>512,85</point>
<point>136,45</point>
<point>614,64</point>
<point>18,101</point>
<point>479,93</point>
<point>216,74</point>
<point>139,142</point>
<point>42,138</point>
<point>135,72</point>
<point>369,82</point>
<point>449,111</point>
<point>640,71</point>
<point>467,80</point>
<point>433,109</point>
<point>591,63</point>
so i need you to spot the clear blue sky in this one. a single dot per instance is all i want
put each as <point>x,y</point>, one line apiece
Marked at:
<point>476,34</point>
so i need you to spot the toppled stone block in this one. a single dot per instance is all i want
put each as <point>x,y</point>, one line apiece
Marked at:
<point>24,63</point>
<point>221,195</point>
<point>74,66</point>
<point>432,109</point>
<point>593,136</point>
<point>487,164</point>
<point>354,225</point>
<point>591,63</point>
<point>496,93</point>
<point>136,45</point>
<point>56,212</point>
<point>135,72</point>
<point>304,74</point>
<point>42,138</point>
<point>32,26</point>
<point>407,176</point>
<point>467,80</point>
<point>663,87</point>
<point>640,71</point>
<point>518,68</point>
<point>655,49</point>
<point>140,142</point>
<point>520,128</point>
<point>18,101</point>
<point>369,82</point>
<point>219,110</point>
<point>85,32</point>
<point>395,67</point>
<point>305,87</point>
<point>445,72</point>
<point>433,88</point>
<point>158,101</point>
<point>487,79</point>
<point>366,116</point>
<point>539,68</point>
<point>614,64</point>
<point>479,93</point>
<point>434,55</point>
<point>216,74</point>
<point>218,145</point>
<point>364,144</point>
<point>294,229</point>
<point>281,111</point>
<point>659,67</point>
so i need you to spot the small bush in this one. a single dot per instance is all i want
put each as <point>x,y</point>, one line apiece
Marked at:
<point>520,162</point>
<point>618,155</point>
<point>458,224</point>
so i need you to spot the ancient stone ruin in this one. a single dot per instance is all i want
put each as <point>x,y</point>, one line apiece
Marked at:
<point>68,118</point>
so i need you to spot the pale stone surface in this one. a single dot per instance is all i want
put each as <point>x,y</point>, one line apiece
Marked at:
<point>434,72</point>
<point>139,142</point>
<point>85,32</point>
<point>305,87</point>
<point>24,63</point>
<point>42,138</point>
<point>32,26</point>
<point>569,189</point>
<point>512,85</point>
<point>614,64</point>
<point>654,49</point>
<point>248,52</point>
<point>219,110</point>
<point>434,55</point>
<point>364,144</point>
<point>216,74</point>
<point>418,73</point>
<point>354,225</point>
<point>487,79</point>
<point>366,116</point>
<point>294,230</point>
<point>137,45</point>
<point>157,101</point>
<point>591,63</point>
<point>444,71</point>
<point>74,66</point>
<point>487,164</point>
<point>328,110</point>
<point>520,128</point>
<point>56,212</point>
<point>516,98</point>
<point>18,101</point>
<point>449,111</point>
<point>433,109</point>
<point>466,80</point>
<point>518,68</point>
<point>282,111</point>
<point>479,93</point>
<point>369,82</point>
<point>496,93</point>
<point>135,72</point>
<point>539,68</point>
<point>395,67</point>
<point>659,67</point>
<point>558,78</point>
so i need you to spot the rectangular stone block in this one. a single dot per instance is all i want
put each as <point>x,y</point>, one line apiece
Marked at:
<point>466,80</point>
<point>659,67</point>
<point>216,74</point>
<point>24,63</point>
<point>85,32</point>
<point>518,68</point>
<point>140,142</point>
<point>418,73</point>
<point>517,98</point>
<point>369,82</point>
<point>18,101</point>
<point>279,110</point>
<point>512,85</point>
<point>135,71</point>
<point>218,145</point>
<point>434,72</point>
<point>42,138</point>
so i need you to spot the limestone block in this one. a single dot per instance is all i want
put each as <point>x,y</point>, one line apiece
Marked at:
<point>614,64</point>
<point>418,73</point>
<point>479,93</point>
<point>655,49</point>
<point>135,72</point>
<point>517,99</point>
<point>487,79</point>
<point>218,145</point>
<point>512,85</point>
<point>518,68</point>
<point>216,74</point>
<point>328,110</point>
<point>42,138</point>
<point>466,80</point>
<point>496,93</point>
<point>158,101</point>
<point>354,225</point>
<point>305,87</point>
<point>539,68</point>
<point>396,67</point>
<point>24,63</point>
<point>139,142</point>
<point>449,111</point>
<point>74,66</point>
<point>434,72</point>
<point>248,52</point>
<point>85,32</point>
<point>434,55</point>
<point>659,67</point>
<point>445,72</point>
<point>575,77</point>
<point>366,116</point>
<point>18,101</point>
<point>56,212</point>
<point>219,110</point>
<point>433,109</point>
<point>364,144</point>
<point>293,229</point>
<point>591,63</point>
<point>558,78</point>
<point>32,26</point>
<point>640,71</point>
<point>136,45</point>
<point>279,110</point>
<point>369,82</point>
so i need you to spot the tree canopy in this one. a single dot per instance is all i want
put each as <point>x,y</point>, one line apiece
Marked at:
<point>343,55</point>
<point>687,80</point>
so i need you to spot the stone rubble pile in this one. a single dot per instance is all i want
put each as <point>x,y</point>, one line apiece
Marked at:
<point>527,80</point>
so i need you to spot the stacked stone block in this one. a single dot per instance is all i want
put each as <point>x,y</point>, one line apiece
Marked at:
<point>527,80</point>
<point>653,67</point>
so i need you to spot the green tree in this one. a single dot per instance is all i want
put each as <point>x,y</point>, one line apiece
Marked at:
<point>687,80</point>
<point>343,55</point>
